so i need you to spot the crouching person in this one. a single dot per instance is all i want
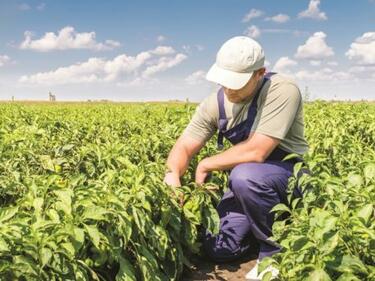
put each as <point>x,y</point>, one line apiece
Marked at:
<point>261,115</point>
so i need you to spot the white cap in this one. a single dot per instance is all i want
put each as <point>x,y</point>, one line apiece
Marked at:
<point>236,61</point>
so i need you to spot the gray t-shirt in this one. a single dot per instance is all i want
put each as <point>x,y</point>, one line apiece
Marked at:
<point>280,115</point>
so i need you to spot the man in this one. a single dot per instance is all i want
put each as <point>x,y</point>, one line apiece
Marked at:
<point>261,115</point>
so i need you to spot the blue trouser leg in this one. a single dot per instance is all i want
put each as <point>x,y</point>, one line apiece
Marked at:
<point>257,188</point>
<point>232,242</point>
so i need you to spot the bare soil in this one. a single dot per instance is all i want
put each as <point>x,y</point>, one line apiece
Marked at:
<point>203,269</point>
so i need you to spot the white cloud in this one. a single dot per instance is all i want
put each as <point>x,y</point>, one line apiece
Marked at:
<point>163,50</point>
<point>123,68</point>
<point>24,7</point>
<point>362,50</point>
<point>315,48</point>
<point>315,62</point>
<point>332,63</point>
<point>252,14</point>
<point>189,49</point>
<point>4,59</point>
<point>41,6</point>
<point>280,18</point>
<point>252,31</point>
<point>196,77</point>
<point>313,11</point>
<point>283,64</point>
<point>161,38</point>
<point>362,68</point>
<point>163,64</point>
<point>267,63</point>
<point>67,38</point>
<point>325,74</point>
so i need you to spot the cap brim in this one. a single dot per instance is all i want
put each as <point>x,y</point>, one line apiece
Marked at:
<point>228,79</point>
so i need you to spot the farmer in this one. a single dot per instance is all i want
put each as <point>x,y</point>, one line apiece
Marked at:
<point>260,114</point>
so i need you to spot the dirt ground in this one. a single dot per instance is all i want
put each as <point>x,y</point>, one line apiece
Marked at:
<point>206,270</point>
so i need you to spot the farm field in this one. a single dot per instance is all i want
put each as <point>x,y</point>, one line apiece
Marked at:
<point>82,198</point>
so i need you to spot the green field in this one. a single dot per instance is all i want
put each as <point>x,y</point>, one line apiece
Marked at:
<point>82,198</point>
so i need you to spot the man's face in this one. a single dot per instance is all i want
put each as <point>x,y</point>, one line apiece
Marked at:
<point>237,96</point>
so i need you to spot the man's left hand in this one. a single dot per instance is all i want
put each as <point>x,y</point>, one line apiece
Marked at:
<point>201,172</point>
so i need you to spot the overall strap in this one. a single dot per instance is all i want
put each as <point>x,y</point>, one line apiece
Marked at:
<point>222,119</point>
<point>253,108</point>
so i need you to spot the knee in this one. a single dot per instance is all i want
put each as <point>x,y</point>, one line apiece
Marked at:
<point>244,178</point>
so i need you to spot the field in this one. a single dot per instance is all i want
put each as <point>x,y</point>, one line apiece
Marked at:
<point>82,198</point>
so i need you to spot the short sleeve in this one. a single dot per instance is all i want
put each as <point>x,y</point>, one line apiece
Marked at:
<point>203,124</point>
<point>279,110</point>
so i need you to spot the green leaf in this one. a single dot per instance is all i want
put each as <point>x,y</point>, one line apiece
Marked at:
<point>94,234</point>
<point>369,172</point>
<point>69,248</point>
<point>352,264</point>
<point>211,220</point>
<point>281,207</point>
<point>319,275</point>
<point>365,212</point>
<point>302,243</point>
<point>330,245</point>
<point>37,204</point>
<point>267,261</point>
<point>355,180</point>
<point>45,255</point>
<point>94,213</point>
<point>7,213</point>
<point>47,163</point>
<point>126,271</point>
<point>348,277</point>
<point>4,247</point>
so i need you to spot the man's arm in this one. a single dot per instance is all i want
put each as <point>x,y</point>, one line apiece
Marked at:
<point>255,148</point>
<point>179,158</point>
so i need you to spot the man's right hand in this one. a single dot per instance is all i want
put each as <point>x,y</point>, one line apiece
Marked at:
<point>172,179</point>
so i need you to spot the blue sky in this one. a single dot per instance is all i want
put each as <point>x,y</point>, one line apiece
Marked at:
<point>161,50</point>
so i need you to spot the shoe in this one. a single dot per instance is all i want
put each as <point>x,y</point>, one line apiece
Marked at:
<point>252,275</point>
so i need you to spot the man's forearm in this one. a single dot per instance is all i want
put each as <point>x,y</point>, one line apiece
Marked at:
<point>237,154</point>
<point>178,160</point>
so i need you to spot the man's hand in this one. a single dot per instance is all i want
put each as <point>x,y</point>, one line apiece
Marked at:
<point>201,172</point>
<point>172,179</point>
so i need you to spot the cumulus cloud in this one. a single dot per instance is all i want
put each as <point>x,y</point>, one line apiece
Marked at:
<point>252,14</point>
<point>315,48</point>
<point>315,62</point>
<point>313,11</point>
<point>283,64</point>
<point>196,77</point>
<point>120,68</point>
<point>163,64</point>
<point>189,49</point>
<point>4,59</point>
<point>325,74</point>
<point>252,31</point>
<point>332,63</point>
<point>66,38</point>
<point>362,50</point>
<point>280,18</point>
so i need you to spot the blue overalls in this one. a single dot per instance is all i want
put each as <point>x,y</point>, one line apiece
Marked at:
<point>254,189</point>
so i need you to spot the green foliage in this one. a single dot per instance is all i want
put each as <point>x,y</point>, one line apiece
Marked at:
<point>82,198</point>
<point>330,234</point>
